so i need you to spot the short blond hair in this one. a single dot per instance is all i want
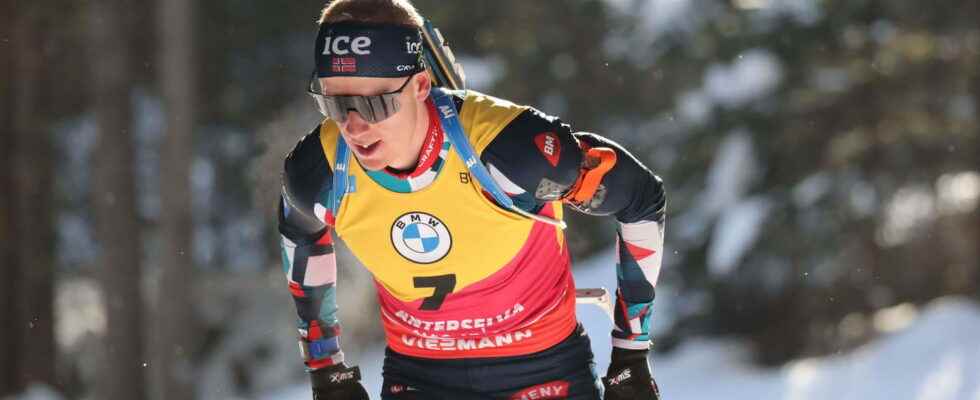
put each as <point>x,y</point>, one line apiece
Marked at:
<point>394,12</point>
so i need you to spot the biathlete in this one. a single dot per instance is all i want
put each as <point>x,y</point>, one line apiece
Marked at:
<point>422,183</point>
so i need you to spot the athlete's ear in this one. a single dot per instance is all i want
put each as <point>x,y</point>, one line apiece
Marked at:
<point>424,85</point>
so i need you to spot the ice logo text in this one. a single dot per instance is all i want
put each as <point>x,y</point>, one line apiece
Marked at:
<point>412,47</point>
<point>342,45</point>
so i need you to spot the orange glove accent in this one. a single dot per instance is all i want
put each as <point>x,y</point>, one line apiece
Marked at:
<point>597,162</point>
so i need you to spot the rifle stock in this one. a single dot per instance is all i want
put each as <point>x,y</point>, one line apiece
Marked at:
<point>443,68</point>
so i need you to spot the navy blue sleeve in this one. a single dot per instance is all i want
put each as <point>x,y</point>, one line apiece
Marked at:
<point>540,158</point>
<point>634,193</point>
<point>542,155</point>
<point>306,179</point>
<point>307,244</point>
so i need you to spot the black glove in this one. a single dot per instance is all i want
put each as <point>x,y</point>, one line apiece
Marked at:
<point>338,382</point>
<point>628,377</point>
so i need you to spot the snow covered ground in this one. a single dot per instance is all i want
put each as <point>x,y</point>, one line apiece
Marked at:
<point>930,354</point>
<point>935,357</point>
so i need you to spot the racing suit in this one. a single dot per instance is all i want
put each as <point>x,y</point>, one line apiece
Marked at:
<point>476,301</point>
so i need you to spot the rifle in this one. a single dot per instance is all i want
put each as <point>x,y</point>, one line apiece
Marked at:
<point>443,68</point>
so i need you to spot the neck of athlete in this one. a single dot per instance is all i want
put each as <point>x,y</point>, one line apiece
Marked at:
<point>408,158</point>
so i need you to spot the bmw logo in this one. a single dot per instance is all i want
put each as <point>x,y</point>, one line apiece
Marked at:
<point>421,238</point>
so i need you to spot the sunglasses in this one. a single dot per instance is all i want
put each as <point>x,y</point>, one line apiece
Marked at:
<point>372,109</point>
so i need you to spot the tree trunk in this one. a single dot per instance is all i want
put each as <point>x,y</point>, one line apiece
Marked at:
<point>7,237</point>
<point>114,200</point>
<point>175,323</point>
<point>31,186</point>
<point>976,211</point>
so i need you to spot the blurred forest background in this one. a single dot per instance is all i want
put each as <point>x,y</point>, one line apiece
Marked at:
<point>821,159</point>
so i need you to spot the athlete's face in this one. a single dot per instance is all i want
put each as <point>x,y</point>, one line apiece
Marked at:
<point>395,141</point>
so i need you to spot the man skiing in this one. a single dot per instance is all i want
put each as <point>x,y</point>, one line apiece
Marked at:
<point>452,200</point>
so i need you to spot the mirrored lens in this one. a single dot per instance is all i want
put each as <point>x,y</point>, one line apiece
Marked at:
<point>329,108</point>
<point>372,109</point>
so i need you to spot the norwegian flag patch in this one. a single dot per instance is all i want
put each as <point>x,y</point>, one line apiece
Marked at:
<point>344,64</point>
